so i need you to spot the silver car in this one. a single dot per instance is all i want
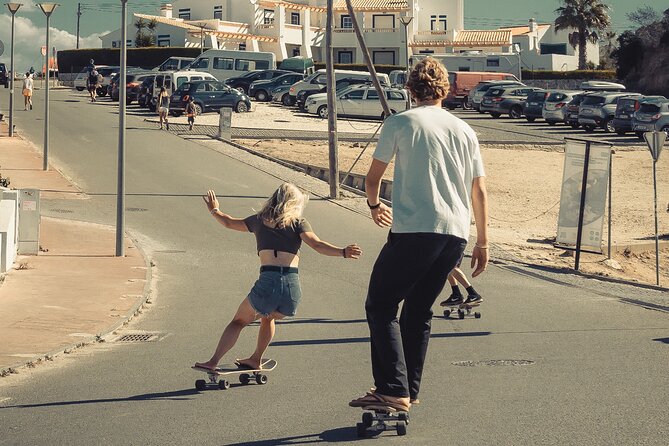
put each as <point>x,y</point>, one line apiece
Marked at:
<point>652,115</point>
<point>598,110</point>
<point>555,106</point>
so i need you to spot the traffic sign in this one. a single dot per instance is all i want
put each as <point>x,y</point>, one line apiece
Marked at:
<point>655,141</point>
<point>43,50</point>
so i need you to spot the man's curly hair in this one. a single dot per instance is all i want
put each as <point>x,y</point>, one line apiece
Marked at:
<point>428,80</point>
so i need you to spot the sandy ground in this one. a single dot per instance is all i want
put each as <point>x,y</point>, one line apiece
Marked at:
<point>524,184</point>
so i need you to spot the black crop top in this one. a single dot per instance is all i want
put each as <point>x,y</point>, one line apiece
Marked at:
<point>277,239</point>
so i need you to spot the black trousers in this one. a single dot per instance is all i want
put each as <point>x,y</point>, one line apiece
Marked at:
<point>412,267</point>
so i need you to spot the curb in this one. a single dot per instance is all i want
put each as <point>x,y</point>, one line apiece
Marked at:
<point>134,311</point>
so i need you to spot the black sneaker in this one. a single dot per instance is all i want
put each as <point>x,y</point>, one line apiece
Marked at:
<point>454,299</point>
<point>167,125</point>
<point>473,299</point>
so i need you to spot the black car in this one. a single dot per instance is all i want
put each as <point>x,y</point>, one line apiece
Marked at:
<point>243,82</point>
<point>262,90</point>
<point>146,91</point>
<point>4,78</point>
<point>133,83</point>
<point>303,95</point>
<point>534,105</point>
<point>208,96</point>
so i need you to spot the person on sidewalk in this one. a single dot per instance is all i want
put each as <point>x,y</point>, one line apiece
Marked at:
<point>191,112</point>
<point>438,179</point>
<point>456,298</point>
<point>93,81</point>
<point>163,107</point>
<point>28,86</point>
<point>279,229</point>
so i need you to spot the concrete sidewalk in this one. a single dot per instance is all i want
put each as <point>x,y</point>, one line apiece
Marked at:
<point>75,289</point>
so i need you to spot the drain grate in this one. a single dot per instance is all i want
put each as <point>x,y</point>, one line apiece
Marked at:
<point>62,211</point>
<point>136,209</point>
<point>143,337</point>
<point>494,362</point>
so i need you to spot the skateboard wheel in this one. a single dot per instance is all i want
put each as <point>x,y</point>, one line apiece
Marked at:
<point>367,419</point>
<point>403,416</point>
<point>244,378</point>
<point>261,379</point>
<point>223,384</point>
<point>461,314</point>
<point>200,384</point>
<point>477,315</point>
<point>361,429</point>
<point>401,428</point>
<point>447,313</point>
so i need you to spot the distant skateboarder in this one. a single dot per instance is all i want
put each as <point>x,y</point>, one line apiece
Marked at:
<point>279,229</point>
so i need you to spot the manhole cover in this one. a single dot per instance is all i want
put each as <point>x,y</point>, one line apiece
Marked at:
<point>61,211</point>
<point>136,209</point>
<point>494,362</point>
<point>139,337</point>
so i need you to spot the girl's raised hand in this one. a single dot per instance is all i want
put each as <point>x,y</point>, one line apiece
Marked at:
<point>211,200</point>
<point>353,251</point>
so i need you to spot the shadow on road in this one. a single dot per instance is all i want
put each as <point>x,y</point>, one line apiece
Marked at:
<point>317,320</point>
<point>329,436</point>
<point>366,339</point>
<point>662,340</point>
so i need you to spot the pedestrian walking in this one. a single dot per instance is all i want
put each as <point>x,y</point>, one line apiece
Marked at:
<point>28,86</point>
<point>279,230</point>
<point>93,82</point>
<point>438,180</point>
<point>163,107</point>
<point>191,112</point>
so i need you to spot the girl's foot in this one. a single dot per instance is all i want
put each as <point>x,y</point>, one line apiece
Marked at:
<point>249,363</point>
<point>206,365</point>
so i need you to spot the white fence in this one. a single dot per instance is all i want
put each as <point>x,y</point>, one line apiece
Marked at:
<point>19,225</point>
<point>8,213</point>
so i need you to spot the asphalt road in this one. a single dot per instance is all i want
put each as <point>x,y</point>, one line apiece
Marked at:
<point>595,353</point>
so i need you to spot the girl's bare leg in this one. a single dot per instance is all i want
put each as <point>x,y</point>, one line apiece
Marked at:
<point>265,335</point>
<point>245,315</point>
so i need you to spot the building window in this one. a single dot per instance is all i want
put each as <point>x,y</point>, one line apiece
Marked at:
<point>268,17</point>
<point>223,63</point>
<point>492,62</point>
<point>163,40</point>
<point>345,57</point>
<point>383,57</point>
<point>443,25</point>
<point>294,18</point>
<point>438,23</point>
<point>464,69</point>
<point>556,48</point>
<point>346,21</point>
<point>296,52</point>
<point>383,21</point>
<point>426,52</point>
<point>218,12</point>
<point>184,14</point>
<point>242,46</point>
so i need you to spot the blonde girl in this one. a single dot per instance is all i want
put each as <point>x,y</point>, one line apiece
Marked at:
<point>163,107</point>
<point>28,92</point>
<point>279,229</point>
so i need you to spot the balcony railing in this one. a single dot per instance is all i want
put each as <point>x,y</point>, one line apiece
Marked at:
<point>367,30</point>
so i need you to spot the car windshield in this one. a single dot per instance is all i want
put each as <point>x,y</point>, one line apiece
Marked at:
<point>649,107</point>
<point>627,103</point>
<point>556,96</point>
<point>594,100</point>
<point>184,87</point>
<point>537,96</point>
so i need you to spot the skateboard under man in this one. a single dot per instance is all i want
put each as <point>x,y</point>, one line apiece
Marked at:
<point>463,309</point>
<point>219,376</point>
<point>378,419</point>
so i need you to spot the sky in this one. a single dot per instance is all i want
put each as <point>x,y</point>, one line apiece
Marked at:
<point>101,16</point>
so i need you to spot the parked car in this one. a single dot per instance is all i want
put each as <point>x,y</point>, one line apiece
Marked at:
<point>4,77</point>
<point>80,81</point>
<point>556,106</point>
<point>243,82</point>
<point>133,83</point>
<point>463,82</point>
<point>262,90</point>
<point>652,115</point>
<point>534,105</point>
<point>476,95</point>
<point>317,80</point>
<point>106,73</point>
<point>172,80</point>
<point>598,110</point>
<point>175,64</point>
<point>501,100</point>
<point>146,91</point>
<point>279,94</point>
<point>359,101</point>
<point>298,64</point>
<point>340,85</point>
<point>208,96</point>
<point>625,110</point>
<point>571,115</point>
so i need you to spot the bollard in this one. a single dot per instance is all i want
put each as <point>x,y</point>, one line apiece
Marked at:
<point>225,124</point>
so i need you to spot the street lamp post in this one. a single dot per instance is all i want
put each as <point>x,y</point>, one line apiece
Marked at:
<point>406,20</point>
<point>47,9</point>
<point>516,47</point>
<point>13,7</point>
<point>120,191</point>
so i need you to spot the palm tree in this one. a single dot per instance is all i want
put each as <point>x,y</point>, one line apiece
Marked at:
<point>586,17</point>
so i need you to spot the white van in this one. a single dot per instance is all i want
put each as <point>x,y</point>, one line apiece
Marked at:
<point>316,81</point>
<point>174,64</point>
<point>172,80</point>
<point>232,63</point>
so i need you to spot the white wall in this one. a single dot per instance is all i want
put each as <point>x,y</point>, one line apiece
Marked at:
<point>7,234</point>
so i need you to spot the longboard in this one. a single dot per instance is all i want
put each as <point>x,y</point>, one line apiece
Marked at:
<point>219,376</point>
<point>462,309</point>
<point>378,419</point>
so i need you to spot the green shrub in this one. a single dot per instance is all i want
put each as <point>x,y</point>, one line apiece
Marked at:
<point>604,75</point>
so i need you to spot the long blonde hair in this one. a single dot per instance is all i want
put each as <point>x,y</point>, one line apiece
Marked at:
<point>285,206</point>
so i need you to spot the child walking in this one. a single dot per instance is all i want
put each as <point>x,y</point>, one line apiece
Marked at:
<point>163,107</point>
<point>279,229</point>
<point>28,92</point>
<point>190,112</point>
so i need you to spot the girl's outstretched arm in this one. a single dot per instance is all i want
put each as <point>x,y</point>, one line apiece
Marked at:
<point>229,222</point>
<point>322,247</point>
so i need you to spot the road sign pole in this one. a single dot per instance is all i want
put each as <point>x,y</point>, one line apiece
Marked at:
<point>657,242</point>
<point>581,211</point>
<point>120,193</point>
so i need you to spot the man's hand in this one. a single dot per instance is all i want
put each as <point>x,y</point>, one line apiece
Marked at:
<point>479,260</point>
<point>383,215</point>
<point>211,200</point>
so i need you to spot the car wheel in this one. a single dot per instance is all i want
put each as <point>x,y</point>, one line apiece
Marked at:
<point>639,135</point>
<point>80,88</point>
<point>551,122</point>
<point>530,119</point>
<point>465,104</point>
<point>198,109</point>
<point>241,90</point>
<point>176,114</point>
<point>608,126</point>
<point>287,100</point>
<point>665,129</point>
<point>384,116</point>
<point>101,92</point>
<point>574,125</point>
<point>241,107</point>
<point>495,115</point>
<point>589,128</point>
<point>516,112</point>
<point>620,132</point>
<point>323,111</point>
<point>261,95</point>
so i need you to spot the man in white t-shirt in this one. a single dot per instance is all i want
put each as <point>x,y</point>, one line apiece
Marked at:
<point>438,179</point>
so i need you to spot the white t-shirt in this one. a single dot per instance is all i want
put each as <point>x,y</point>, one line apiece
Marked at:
<point>28,83</point>
<point>437,158</point>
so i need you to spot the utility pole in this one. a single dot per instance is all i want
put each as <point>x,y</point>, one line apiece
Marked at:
<point>78,17</point>
<point>332,105</point>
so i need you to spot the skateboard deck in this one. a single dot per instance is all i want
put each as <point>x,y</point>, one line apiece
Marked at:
<point>378,419</point>
<point>219,376</point>
<point>463,310</point>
